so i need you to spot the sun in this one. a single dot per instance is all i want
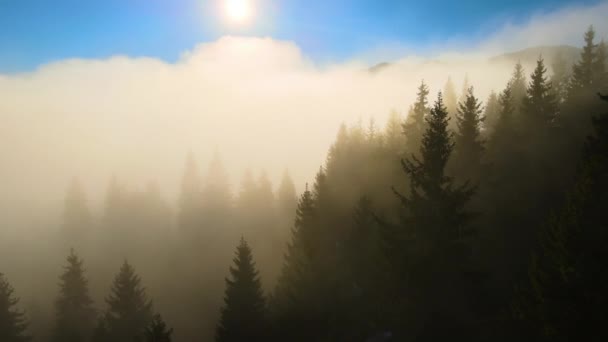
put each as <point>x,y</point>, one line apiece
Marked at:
<point>238,11</point>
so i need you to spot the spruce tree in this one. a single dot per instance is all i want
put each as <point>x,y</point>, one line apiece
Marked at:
<point>582,71</point>
<point>75,316</point>
<point>157,331</point>
<point>414,125</point>
<point>469,145</point>
<point>12,321</point>
<point>297,303</point>
<point>434,206</point>
<point>433,232</point>
<point>539,105</point>
<point>129,309</point>
<point>465,89</point>
<point>243,317</point>
<point>518,86</point>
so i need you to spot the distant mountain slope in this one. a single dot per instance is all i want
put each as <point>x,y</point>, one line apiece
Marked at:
<point>570,54</point>
<point>528,56</point>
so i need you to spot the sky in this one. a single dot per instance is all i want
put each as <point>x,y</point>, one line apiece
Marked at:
<point>36,32</point>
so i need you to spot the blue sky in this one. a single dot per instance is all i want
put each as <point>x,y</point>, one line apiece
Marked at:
<point>35,32</point>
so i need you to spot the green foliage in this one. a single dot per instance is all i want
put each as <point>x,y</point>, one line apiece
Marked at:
<point>13,324</point>
<point>75,316</point>
<point>243,317</point>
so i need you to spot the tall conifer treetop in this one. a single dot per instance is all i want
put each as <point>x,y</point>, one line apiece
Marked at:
<point>243,316</point>
<point>74,306</point>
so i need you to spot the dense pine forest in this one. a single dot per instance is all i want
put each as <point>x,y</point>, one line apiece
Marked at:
<point>467,219</point>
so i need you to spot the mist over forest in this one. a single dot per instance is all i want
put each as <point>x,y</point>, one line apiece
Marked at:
<point>248,193</point>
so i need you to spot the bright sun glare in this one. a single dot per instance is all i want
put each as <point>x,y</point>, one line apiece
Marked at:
<point>238,11</point>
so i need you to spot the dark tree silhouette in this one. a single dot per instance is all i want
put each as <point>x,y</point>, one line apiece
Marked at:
<point>157,331</point>
<point>129,309</point>
<point>414,125</point>
<point>539,105</point>
<point>243,317</point>
<point>12,321</point>
<point>433,231</point>
<point>565,292</point>
<point>469,144</point>
<point>75,316</point>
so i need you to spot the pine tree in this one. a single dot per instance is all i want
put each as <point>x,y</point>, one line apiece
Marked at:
<point>582,72</point>
<point>434,206</point>
<point>465,89</point>
<point>12,321</point>
<point>75,318</point>
<point>243,317</point>
<point>129,309</point>
<point>414,125</point>
<point>469,145</point>
<point>433,232</point>
<point>298,303</point>
<point>539,105</point>
<point>518,86</point>
<point>158,331</point>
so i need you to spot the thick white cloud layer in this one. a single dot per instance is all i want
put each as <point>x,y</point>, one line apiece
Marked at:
<point>259,101</point>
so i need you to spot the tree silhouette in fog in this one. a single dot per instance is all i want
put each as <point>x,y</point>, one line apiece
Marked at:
<point>243,316</point>
<point>157,331</point>
<point>75,316</point>
<point>129,309</point>
<point>12,321</point>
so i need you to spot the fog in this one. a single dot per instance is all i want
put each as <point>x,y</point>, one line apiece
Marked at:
<point>259,103</point>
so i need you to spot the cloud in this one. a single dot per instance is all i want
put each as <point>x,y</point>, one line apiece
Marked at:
<point>261,102</point>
